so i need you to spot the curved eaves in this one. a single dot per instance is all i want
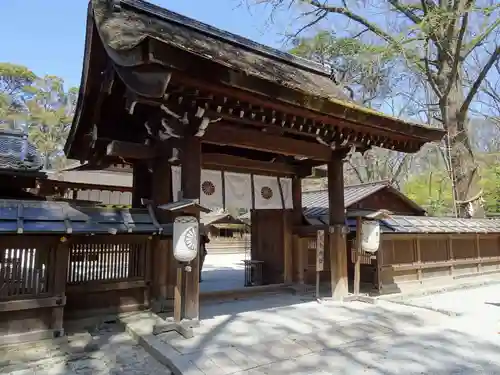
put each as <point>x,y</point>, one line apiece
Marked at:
<point>80,103</point>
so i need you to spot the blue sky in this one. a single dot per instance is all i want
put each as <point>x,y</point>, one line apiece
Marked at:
<point>47,36</point>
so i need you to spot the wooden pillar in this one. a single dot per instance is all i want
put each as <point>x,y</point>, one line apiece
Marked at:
<point>141,188</point>
<point>418,252</point>
<point>451,256</point>
<point>357,265</point>
<point>288,246</point>
<point>59,287</point>
<point>336,234</point>
<point>298,264</point>
<point>478,253</point>
<point>161,249</point>
<point>141,183</point>
<point>190,187</point>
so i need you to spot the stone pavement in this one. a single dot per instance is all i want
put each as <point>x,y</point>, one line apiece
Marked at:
<point>223,272</point>
<point>286,335</point>
<point>106,349</point>
<point>484,300</point>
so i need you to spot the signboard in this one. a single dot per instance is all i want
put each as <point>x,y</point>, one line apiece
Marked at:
<point>320,250</point>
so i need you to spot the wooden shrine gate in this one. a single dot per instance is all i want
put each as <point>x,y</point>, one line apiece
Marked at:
<point>177,92</point>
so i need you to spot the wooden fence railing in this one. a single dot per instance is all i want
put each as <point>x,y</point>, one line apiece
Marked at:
<point>28,290</point>
<point>44,279</point>
<point>108,272</point>
<point>407,262</point>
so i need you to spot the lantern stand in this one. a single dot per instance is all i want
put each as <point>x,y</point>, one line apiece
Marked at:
<point>191,209</point>
<point>177,324</point>
<point>373,216</point>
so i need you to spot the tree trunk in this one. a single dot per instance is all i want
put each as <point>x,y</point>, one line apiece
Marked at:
<point>464,167</point>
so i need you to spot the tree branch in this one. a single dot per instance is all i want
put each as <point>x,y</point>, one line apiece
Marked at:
<point>480,39</point>
<point>406,11</point>
<point>458,49</point>
<point>321,14</point>
<point>346,12</point>
<point>480,78</point>
<point>428,72</point>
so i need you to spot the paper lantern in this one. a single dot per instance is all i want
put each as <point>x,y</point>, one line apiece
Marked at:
<point>186,238</point>
<point>370,236</point>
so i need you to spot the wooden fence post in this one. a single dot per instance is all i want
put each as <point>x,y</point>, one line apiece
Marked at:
<point>478,254</point>
<point>59,287</point>
<point>419,258</point>
<point>451,257</point>
<point>357,265</point>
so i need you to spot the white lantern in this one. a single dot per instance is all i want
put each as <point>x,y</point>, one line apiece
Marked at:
<point>186,238</point>
<point>370,236</point>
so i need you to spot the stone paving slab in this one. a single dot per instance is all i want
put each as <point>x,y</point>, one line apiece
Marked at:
<point>267,335</point>
<point>105,350</point>
<point>483,300</point>
<point>437,350</point>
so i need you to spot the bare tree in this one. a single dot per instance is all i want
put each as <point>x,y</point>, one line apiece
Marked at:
<point>437,39</point>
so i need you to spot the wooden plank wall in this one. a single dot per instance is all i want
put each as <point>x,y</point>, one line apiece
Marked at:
<point>408,262</point>
<point>268,243</point>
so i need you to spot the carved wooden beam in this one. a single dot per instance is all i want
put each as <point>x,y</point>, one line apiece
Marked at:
<point>130,150</point>
<point>331,132</point>
<point>223,134</point>
<point>236,163</point>
<point>136,151</point>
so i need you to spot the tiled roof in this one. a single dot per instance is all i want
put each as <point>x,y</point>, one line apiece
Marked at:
<point>315,202</point>
<point>17,153</point>
<point>426,224</point>
<point>422,224</point>
<point>39,217</point>
<point>219,218</point>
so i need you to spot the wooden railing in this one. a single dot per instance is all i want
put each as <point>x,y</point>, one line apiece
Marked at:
<point>90,262</point>
<point>406,261</point>
<point>45,278</point>
<point>25,268</point>
<point>108,272</point>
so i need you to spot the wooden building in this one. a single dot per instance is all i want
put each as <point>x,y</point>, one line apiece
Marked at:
<point>371,196</point>
<point>159,89</point>
<point>226,233</point>
<point>57,260</point>
<point>20,166</point>
<point>416,251</point>
<point>111,187</point>
<point>367,197</point>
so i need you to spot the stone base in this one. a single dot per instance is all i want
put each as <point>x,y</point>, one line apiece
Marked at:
<point>184,327</point>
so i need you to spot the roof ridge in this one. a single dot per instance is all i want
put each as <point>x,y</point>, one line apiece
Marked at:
<point>184,21</point>
<point>379,182</point>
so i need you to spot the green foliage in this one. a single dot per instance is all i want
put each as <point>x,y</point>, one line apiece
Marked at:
<point>432,191</point>
<point>41,106</point>
<point>491,188</point>
<point>15,82</point>
<point>366,70</point>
